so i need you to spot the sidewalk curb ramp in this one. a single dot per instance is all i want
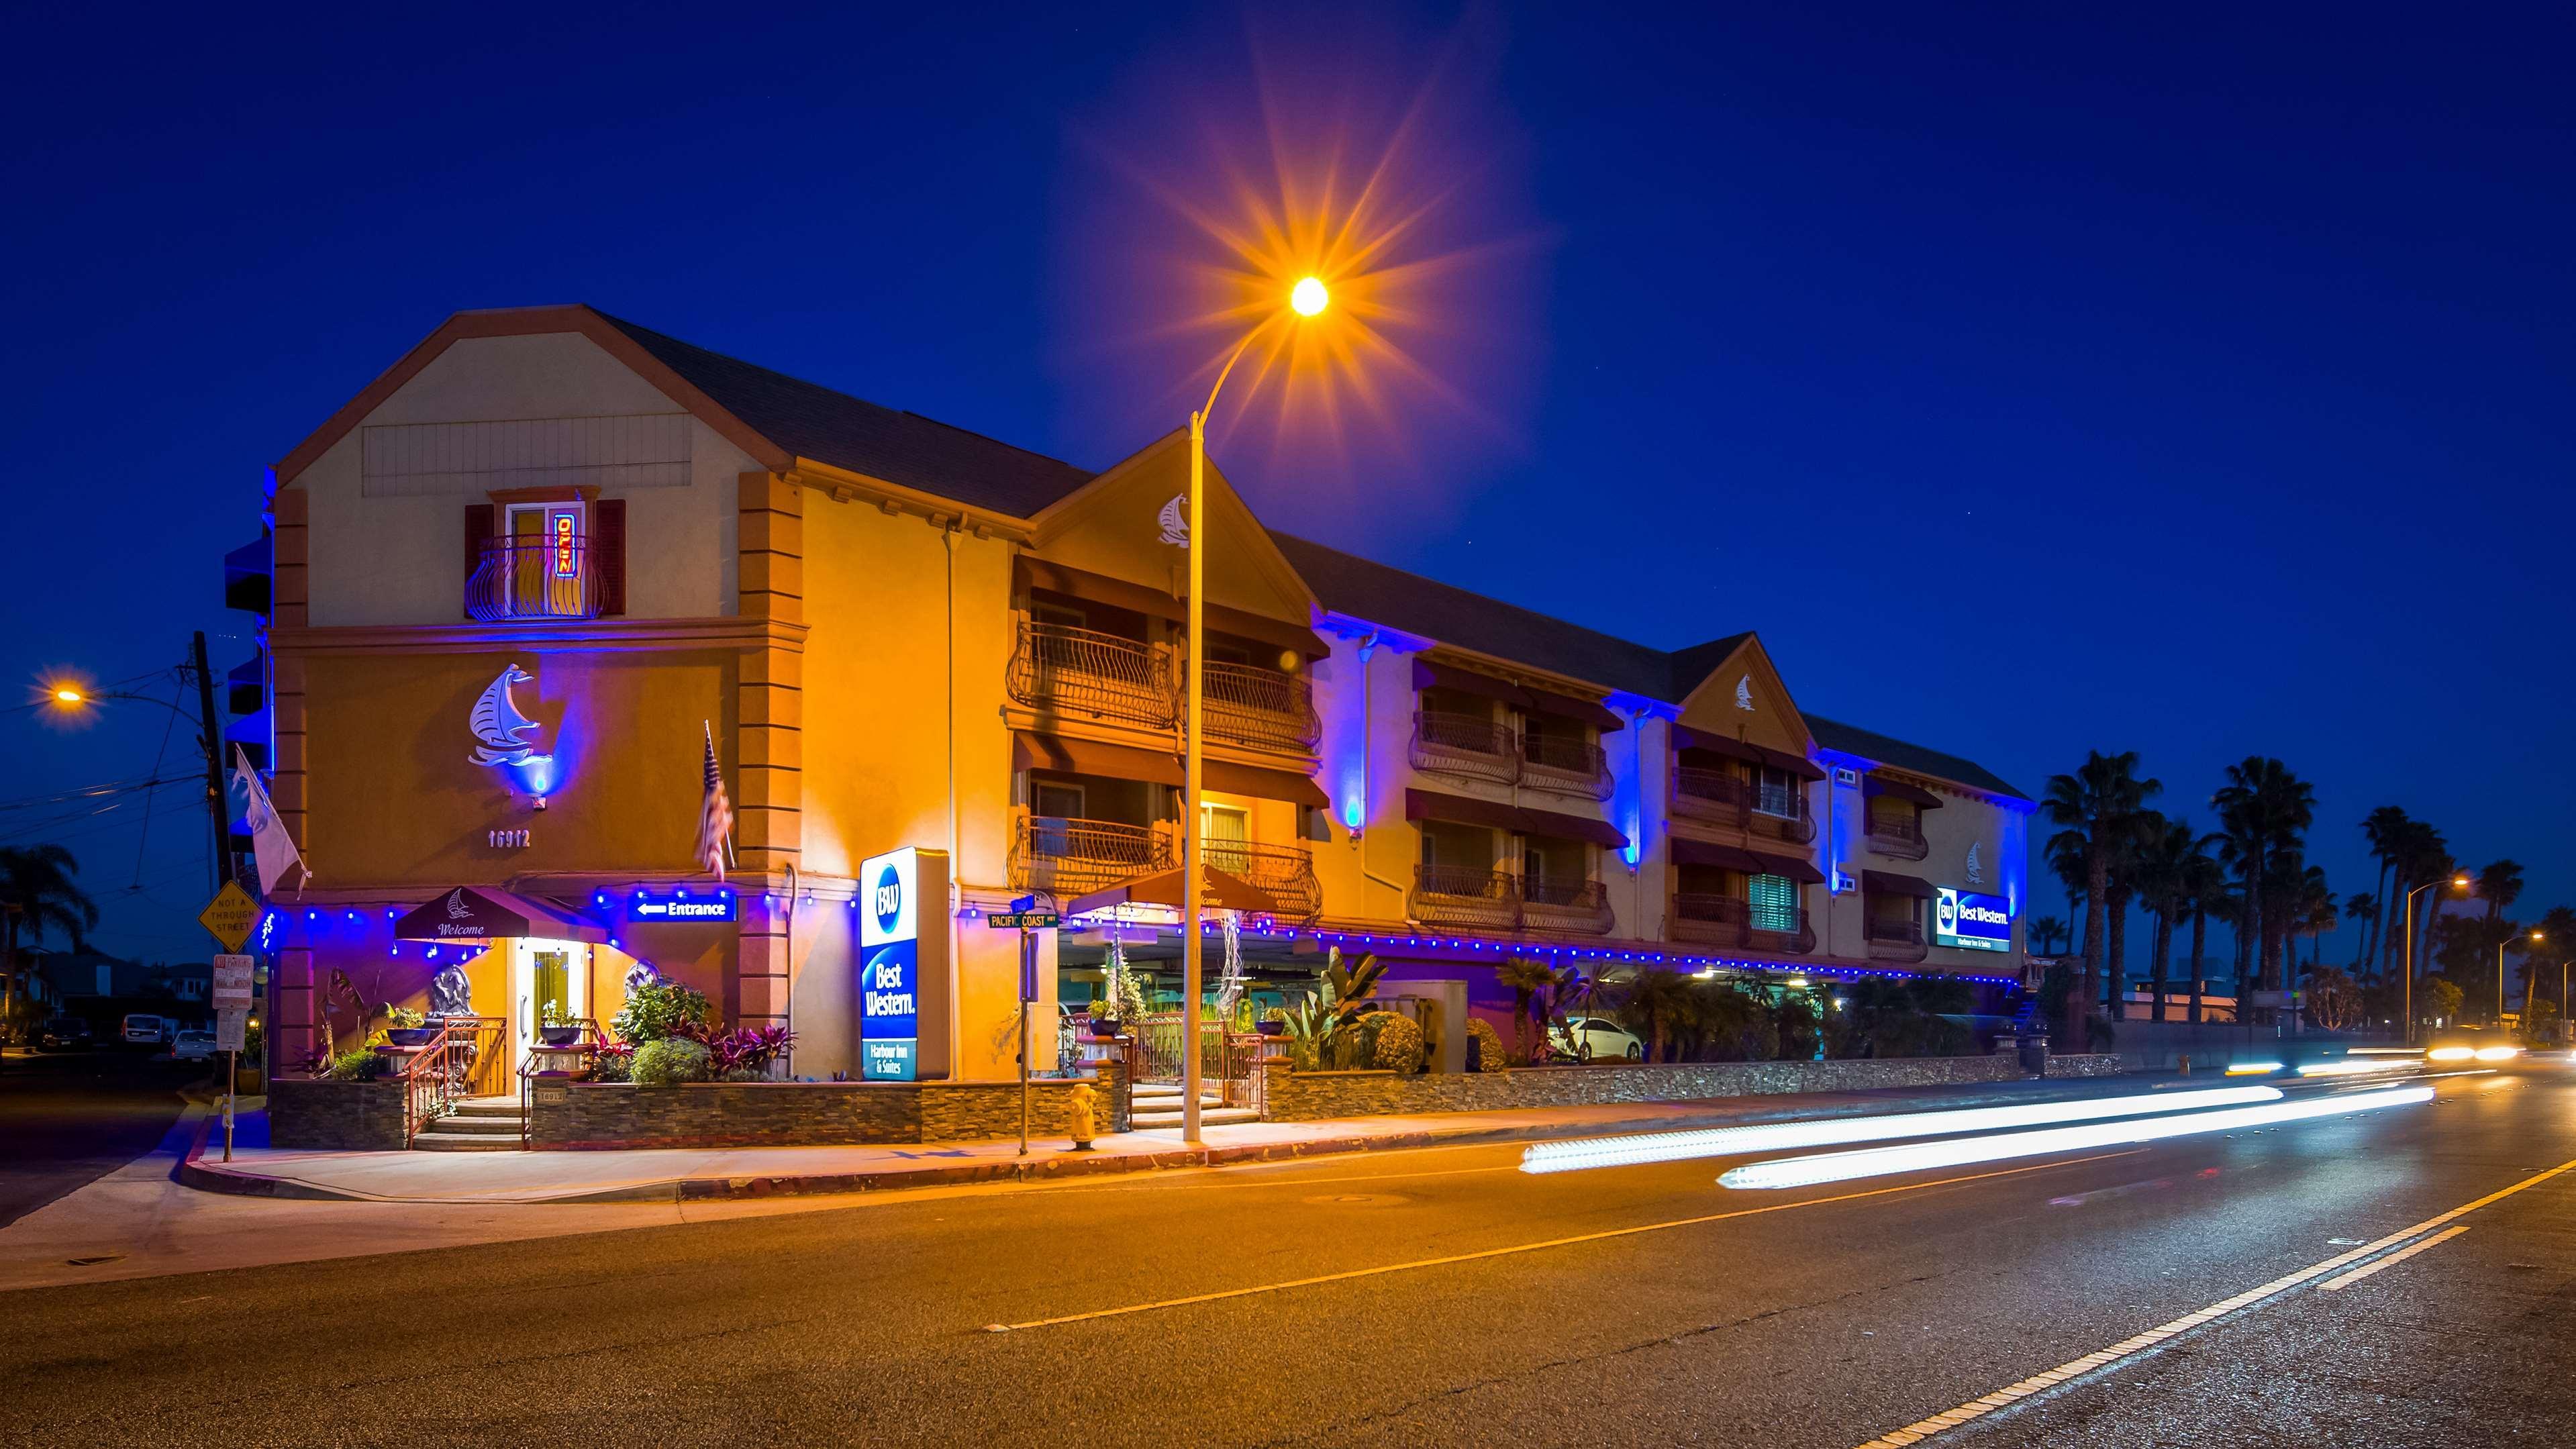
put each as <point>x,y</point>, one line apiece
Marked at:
<point>1059,1165</point>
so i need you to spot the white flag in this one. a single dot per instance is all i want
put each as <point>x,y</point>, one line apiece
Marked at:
<point>269,842</point>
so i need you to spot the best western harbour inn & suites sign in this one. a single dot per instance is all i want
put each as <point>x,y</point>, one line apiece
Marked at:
<point>903,970</point>
<point>1966,921</point>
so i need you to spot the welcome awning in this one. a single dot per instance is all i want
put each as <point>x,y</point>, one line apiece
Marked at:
<point>492,914</point>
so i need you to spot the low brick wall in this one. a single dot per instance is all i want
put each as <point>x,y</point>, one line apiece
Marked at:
<point>580,1116</point>
<point>1307,1096</point>
<point>335,1116</point>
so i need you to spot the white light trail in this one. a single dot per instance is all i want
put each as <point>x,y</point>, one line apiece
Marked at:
<point>1875,1161</point>
<point>2359,1069</point>
<point>1592,1152</point>
<point>2252,1069</point>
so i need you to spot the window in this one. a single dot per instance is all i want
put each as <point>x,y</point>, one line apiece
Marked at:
<point>545,559</point>
<point>1466,848</point>
<point>1775,792</point>
<point>1056,799</point>
<point>1057,615</point>
<point>1545,860</point>
<point>1774,902</point>
<point>1225,832</point>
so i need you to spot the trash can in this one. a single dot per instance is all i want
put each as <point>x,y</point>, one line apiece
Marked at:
<point>2033,1047</point>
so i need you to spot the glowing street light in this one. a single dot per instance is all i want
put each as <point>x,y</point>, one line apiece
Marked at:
<point>1307,298</point>
<point>66,694</point>
<point>2458,882</point>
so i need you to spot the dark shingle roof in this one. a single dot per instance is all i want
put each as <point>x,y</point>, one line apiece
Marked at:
<point>1870,745</point>
<point>1349,584</point>
<point>813,421</point>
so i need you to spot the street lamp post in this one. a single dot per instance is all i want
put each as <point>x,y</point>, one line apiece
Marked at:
<point>1306,299</point>
<point>2526,996</point>
<point>68,696</point>
<point>2456,882</point>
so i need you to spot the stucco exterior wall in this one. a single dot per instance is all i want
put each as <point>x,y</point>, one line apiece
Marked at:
<point>382,557</point>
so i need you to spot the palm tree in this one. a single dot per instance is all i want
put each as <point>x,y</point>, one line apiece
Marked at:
<point>2422,858</point>
<point>2044,930</point>
<point>2558,942</point>
<point>2164,854</point>
<point>2385,828</point>
<point>1657,999</point>
<point>2312,912</point>
<point>2205,885</point>
<point>1525,977</point>
<point>2092,809</point>
<point>2362,907</point>
<point>2500,885</point>
<point>2263,812</point>
<point>37,892</point>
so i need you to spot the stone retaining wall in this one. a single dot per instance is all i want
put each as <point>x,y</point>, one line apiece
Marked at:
<point>1294,1096</point>
<point>335,1116</point>
<point>596,1115</point>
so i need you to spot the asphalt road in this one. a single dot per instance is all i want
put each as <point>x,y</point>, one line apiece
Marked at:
<point>69,1118</point>
<point>1639,1305</point>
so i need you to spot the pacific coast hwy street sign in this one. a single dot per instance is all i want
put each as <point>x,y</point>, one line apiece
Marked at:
<point>1023,920</point>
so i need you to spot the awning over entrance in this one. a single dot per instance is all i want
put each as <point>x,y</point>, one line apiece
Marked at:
<point>1888,882</point>
<point>1163,888</point>
<point>490,913</point>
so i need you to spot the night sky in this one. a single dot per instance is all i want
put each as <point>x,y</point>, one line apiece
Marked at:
<point>2195,382</point>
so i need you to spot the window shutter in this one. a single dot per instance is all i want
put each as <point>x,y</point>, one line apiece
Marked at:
<point>608,552</point>
<point>478,532</point>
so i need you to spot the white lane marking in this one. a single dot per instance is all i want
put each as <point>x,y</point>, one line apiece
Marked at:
<point>2337,1285</point>
<point>1922,1429</point>
<point>1602,1236</point>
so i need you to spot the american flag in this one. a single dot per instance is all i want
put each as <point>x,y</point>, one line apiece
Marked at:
<point>715,814</point>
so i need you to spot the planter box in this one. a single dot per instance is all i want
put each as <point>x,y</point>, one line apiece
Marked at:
<point>596,1115</point>
<point>336,1116</point>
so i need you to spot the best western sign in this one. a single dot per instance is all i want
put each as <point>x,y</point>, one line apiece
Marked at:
<point>1967,921</point>
<point>903,966</point>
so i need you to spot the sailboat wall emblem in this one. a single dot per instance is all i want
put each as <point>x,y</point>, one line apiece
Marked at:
<point>502,734</point>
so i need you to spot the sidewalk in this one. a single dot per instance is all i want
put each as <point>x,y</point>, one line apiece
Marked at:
<point>716,1174</point>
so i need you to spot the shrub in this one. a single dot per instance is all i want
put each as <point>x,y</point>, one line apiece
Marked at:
<point>614,1062</point>
<point>1489,1045</point>
<point>358,1064</point>
<point>745,1055</point>
<point>1399,1043</point>
<point>669,1062</point>
<point>660,1010</point>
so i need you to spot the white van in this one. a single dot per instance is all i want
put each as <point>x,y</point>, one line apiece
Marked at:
<point>145,1029</point>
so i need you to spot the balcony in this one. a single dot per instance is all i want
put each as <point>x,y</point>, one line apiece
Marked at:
<point>1552,904</point>
<point>1897,839</point>
<point>1895,940</point>
<point>1073,857</point>
<point>1564,766</point>
<point>1070,671</point>
<point>1452,895</point>
<point>1285,873</point>
<point>1263,709</point>
<point>1722,920</point>
<point>1467,746</point>
<point>1720,797</point>
<point>532,577</point>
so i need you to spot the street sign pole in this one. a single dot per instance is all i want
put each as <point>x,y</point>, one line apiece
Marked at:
<point>1028,1001</point>
<point>233,975</point>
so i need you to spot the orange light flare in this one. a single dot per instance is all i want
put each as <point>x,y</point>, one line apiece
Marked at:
<point>64,699</point>
<point>1405,201</point>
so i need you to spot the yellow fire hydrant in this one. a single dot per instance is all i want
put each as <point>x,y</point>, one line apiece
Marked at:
<point>1079,1120</point>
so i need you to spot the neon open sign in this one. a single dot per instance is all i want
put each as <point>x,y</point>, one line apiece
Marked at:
<point>567,547</point>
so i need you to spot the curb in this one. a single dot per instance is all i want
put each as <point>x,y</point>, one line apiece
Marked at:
<point>214,1177</point>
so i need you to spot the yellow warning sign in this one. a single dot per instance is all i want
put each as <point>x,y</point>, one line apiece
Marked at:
<point>230,915</point>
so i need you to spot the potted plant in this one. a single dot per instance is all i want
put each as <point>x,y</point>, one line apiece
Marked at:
<point>1104,1019</point>
<point>1273,1022</point>
<point>554,1028</point>
<point>406,1027</point>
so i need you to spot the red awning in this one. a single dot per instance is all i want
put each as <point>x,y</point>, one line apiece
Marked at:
<point>1792,867</point>
<point>1889,883</point>
<point>1566,706</point>
<point>1264,784</point>
<point>1899,790</point>
<point>1427,675</point>
<point>1687,851</point>
<point>1033,751</point>
<point>489,913</point>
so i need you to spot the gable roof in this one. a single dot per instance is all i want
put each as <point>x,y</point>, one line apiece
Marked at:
<point>1870,745</point>
<point>810,420</point>
<point>1365,589</point>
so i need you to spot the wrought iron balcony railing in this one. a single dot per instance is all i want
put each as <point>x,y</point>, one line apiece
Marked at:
<point>1285,873</point>
<point>1468,746</point>
<point>1898,838</point>
<point>1722,920</point>
<point>1552,904</point>
<point>1721,797</point>
<point>1895,940</point>
<point>1263,708</point>
<point>1451,895</point>
<point>1075,671</point>
<point>1070,857</point>
<point>533,577</point>
<point>1564,766</point>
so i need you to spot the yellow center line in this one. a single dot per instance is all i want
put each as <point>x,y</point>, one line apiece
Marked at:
<point>1602,1236</point>
<point>1922,1429</point>
<point>2337,1285</point>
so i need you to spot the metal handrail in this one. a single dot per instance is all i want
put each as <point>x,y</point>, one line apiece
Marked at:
<point>1562,765</point>
<point>1464,895</point>
<point>1285,873</point>
<point>1265,708</point>
<point>1587,901</point>
<point>533,577</point>
<point>1471,746</point>
<point>1072,856</point>
<point>1897,838</point>
<point>1895,940</point>
<point>1068,669</point>
<point>429,1078</point>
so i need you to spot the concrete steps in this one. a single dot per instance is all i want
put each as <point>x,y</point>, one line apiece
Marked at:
<point>476,1124</point>
<point>1158,1104</point>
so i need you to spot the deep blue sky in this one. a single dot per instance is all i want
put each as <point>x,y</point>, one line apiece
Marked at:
<point>2194,381</point>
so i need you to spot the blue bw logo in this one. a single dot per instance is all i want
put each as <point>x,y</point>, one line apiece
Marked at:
<point>889,898</point>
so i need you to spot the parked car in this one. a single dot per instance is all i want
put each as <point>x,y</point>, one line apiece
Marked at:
<point>143,1029</point>
<point>193,1045</point>
<point>65,1034</point>
<point>1597,1038</point>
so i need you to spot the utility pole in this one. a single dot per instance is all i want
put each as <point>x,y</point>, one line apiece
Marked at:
<point>211,741</point>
